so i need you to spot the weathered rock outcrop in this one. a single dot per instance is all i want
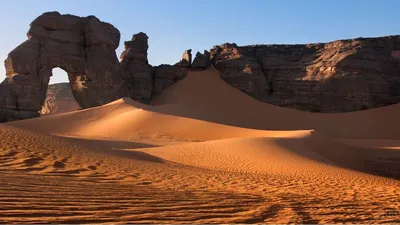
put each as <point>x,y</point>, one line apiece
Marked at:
<point>202,61</point>
<point>240,69</point>
<point>144,81</point>
<point>166,75</point>
<point>186,61</point>
<point>137,72</point>
<point>82,46</point>
<point>59,99</point>
<point>340,76</point>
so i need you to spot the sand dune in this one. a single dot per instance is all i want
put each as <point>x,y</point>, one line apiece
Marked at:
<point>126,119</point>
<point>204,92</point>
<point>202,152</point>
<point>300,157</point>
<point>204,97</point>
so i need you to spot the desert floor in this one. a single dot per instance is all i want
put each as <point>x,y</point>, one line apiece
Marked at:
<point>202,152</point>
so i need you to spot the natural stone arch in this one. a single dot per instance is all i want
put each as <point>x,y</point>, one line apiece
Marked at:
<point>59,97</point>
<point>84,47</point>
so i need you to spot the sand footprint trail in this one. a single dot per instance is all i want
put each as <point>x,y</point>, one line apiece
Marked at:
<point>205,155</point>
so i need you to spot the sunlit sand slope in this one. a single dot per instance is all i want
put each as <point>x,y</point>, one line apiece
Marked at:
<point>202,152</point>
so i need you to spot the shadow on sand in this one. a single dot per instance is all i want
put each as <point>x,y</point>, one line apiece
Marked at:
<point>375,161</point>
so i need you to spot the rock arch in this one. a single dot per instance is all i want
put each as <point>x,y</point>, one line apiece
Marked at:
<point>84,47</point>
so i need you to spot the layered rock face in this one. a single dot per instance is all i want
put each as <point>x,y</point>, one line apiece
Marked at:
<point>240,69</point>
<point>340,76</point>
<point>59,99</point>
<point>82,46</point>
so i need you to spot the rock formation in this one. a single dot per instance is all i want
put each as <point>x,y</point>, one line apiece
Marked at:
<point>82,46</point>
<point>166,75</point>
<point>240,69</point>
<point>201,61</point>
<point>186,61</point>
<point>138,74</point>
<point>59,99</point>
<point>340,76</point>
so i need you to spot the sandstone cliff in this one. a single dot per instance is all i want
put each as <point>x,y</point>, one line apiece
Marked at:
<point>340,76</point>
<point>59,99</point>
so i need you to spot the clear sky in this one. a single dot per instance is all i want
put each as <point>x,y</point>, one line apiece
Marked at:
<point>175,25</point>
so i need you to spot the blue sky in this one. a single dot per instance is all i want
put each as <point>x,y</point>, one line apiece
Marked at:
<point>173,26</point>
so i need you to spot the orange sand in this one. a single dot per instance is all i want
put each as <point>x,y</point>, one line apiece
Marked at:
<point>202,152</point>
